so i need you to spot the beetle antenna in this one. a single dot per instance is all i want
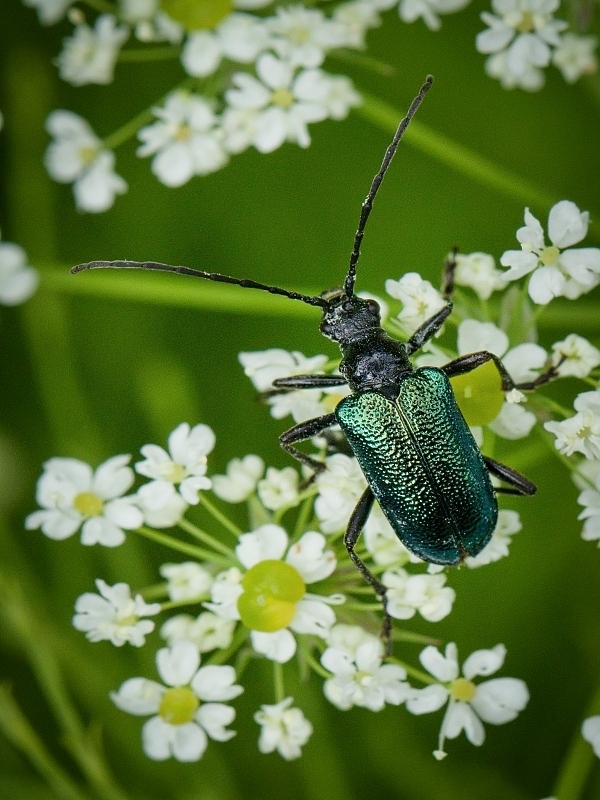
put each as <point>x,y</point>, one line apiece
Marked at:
<point>368,203</point>
<point>196,273</point>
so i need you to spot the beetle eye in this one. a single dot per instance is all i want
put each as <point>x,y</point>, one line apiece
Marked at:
<point>374,307</point>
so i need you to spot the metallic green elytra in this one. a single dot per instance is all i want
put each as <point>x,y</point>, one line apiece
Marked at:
<point>423,466</point>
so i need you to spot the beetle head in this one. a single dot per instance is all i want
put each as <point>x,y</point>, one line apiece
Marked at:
<point>347,319</point>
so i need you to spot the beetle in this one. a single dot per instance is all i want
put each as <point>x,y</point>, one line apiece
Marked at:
<point>403,424</point>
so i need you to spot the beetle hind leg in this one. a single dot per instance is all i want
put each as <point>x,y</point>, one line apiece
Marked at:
<point>518,484</point>
<point>355,525</point>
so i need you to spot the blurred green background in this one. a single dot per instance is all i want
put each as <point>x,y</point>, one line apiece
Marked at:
<point>89,375</point>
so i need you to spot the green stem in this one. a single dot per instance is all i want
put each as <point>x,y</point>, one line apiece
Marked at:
<point>316,666</point>
<point>303,517</point>
<point>358,59</point>
<point>579,760</point>
<point>457,156</point>
<point>168,605</point>
<point>202,536</point>
<point>278,680</point>
<point>220,517</point>
<point>223,656</point>
<point>189,549</point>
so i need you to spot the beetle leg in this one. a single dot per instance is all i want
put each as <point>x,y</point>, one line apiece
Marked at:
<point>302,431</point>
<point>355,526</point>
<point>519,483</point>
<point>295,382</point>
<point>471,361</point>
<point>428,329</point>
<point>448,276</point>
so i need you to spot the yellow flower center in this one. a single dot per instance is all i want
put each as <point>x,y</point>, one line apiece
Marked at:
<point>182,133</point>
<point>479,394</point>
<point>87,154</point>
<point>271,591</point>
<point>178,705</point>
<point>197,14</point>
<point>88,504</point>
<point>549,255</point>
<point>462,689</point>
<point>172,472</point>
<point>526,24</point>
<point>282,97</point>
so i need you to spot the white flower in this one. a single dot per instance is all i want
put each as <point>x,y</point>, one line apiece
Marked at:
<point>49,11</point>
<point>270,597</point>
<point>89,55</point>
<point>580,433</point>
<point>114,615</point>
<point>186,581</point>
<point>73,496</point>
<point>302,36</point>
<point>265,366</point>
<point>285,102</point>
<point>356,18</point>
<point>408,594</point>
<point>575,56</point>
<point>18,281</point>
<point>76,156</point>
<point>360,679</point>
<point>581,356</point>
<point>185,141</point>
<point>419,298</point>
<point>241,479</point>
<point>283,728</point>
<point>279,488</point>
<point>239,38</point>
<point>183,465</point>
<point>590,500</point>
<point>556,272</point>
<point>410,10</point>
<point>496,701</point>
<point>382,542</point>
<point>590,730</point>
<point>208,631</point>
<point>521,35</point>
<point>151,24</point>
<point>508,524</point>
<point>186,713</point>
<point>478,271</point>
<point>340,487</point>
<point>161,504</point>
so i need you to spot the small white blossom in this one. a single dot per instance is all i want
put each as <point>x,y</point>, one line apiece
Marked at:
<point>590,500</point>
<point>241,479</point>
<point>420,300</point>
<point>18,281</point>
<point>76,156</point>
<point>90,54</point>
<point>302,36</point>
<point>270,597</point>
<point>513,422</point>
<point>283,728</point>
<point>590,730</point>
<point>580,433</point>
<point>407,594</point>
<point>238,37</point>
<point>478,271</point>
<point>184,465</point>
<point>185,140</point>
<point>285,102</point>
<point>340,487</point>
<point>520,38</point>
<point>150,23</point>
<point>356,18</point>
<point>496,701</point>
<point>360,679</point>
<point>187,711</point>
<point>581,356</point>
<point>161,504</point>
<point>575,56</point>
<point>73,496</point>
<point>429,10</point>
<point>49,11</point>
<point>186,581</point>
<point>508,524</point>
<point>208,631</point>
<point>555,271</point>
<point>114,615</point>
<point>279,488</point>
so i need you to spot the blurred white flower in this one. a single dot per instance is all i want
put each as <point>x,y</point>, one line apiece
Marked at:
<point>18,281</point>
<point>114,615</point>
<point>90,54</point>
<point>283,728</point>
<point>581,432</point>
<point>590,730</point>
<point>429,10</point>
<point>580,357</point>
<point>478,271</point>
<point>208,631</point>
<point>419,299</point>
<point>407,594</point>
<point>302,36</point>
<point>278,488</point>
<point>161,504</point>
<point>186,581</point>
<point>49,11</point>
<point>241,479</point>
<point>575,56</point>
<point>76,156</point>
<point>239,38</point>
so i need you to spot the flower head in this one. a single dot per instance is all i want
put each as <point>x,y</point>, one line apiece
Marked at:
<point>419,299</point>
<point>187,710</point>
<point>283,728</point>
<point>241,479</point>
<point>114,615</point>
<point>90,54</point>
<point>73,496</point>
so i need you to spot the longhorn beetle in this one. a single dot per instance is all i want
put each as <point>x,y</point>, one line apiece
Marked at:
<point>403,424</point>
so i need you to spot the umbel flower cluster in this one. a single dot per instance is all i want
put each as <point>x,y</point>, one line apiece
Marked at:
<point>252,75</point>
<point>281,588</point>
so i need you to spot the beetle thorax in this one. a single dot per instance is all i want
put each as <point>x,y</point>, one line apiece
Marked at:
<point>371,360</point>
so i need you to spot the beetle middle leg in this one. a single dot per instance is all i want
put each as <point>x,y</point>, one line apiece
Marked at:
<point>519,484</point>
<point>355,525</point>
<point>471,361</point>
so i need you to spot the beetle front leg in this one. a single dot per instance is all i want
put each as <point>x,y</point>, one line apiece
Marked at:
<point>519,483</point>
<point>303,431</point>
<point>355,525</point>
<point>296,382</point>
<point>471,361</point>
